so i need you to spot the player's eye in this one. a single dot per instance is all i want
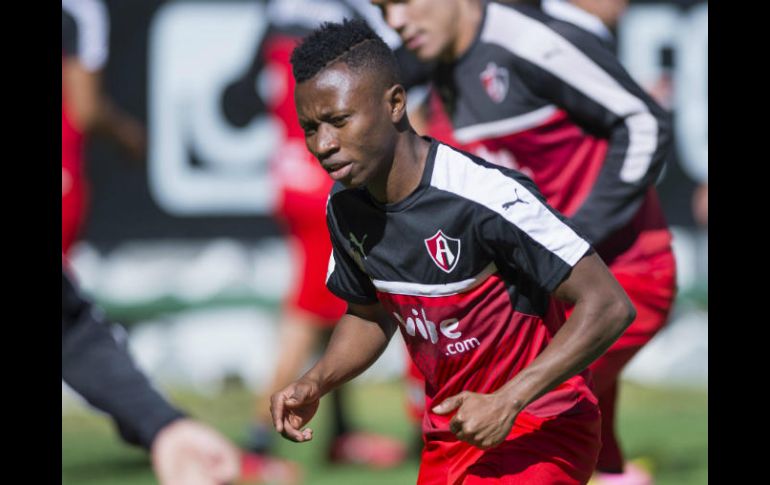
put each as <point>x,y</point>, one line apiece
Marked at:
<point>339,121</point>
<point>308,128</point>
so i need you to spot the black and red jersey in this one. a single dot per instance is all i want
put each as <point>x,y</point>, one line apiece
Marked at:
<point>465,265</point>
<point>550,99</point>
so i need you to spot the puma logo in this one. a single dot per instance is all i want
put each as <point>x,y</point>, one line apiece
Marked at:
<point>510,204</point>
<point>359,244</point>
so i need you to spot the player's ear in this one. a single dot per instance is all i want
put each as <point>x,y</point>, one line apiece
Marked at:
<point>396,101</point>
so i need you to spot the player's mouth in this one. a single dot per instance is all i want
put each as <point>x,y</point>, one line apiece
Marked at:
<point>338,171</point>
<point>415,41</point>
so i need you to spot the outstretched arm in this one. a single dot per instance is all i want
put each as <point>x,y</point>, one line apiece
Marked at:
<point>99,367</point>
<point>359,338</point>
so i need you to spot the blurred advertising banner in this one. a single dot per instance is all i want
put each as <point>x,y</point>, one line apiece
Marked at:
<point>171,63</point>
<point>205,177</point>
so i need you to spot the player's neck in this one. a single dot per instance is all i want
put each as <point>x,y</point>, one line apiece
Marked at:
<point>470,16</point>
<point>405,172</point>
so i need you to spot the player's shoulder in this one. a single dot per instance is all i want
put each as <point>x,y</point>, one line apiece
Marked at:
<point>341,197</point>
<point>530,24</point>
<point>465,173</point>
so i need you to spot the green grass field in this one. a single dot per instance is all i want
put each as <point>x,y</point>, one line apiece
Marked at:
<point>667,429</point>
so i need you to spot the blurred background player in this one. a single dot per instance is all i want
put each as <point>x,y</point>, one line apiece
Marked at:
<point>96,364</point>
<point>549,98</point>
<point>310,310</point>
<point>86,109</point>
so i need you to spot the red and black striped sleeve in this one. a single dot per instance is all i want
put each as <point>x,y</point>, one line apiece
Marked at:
<point>575,71</point>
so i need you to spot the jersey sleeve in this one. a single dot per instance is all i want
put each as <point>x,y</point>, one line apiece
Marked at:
<point>526,235</point>
<point>346,277</point>
<point>97,365</point>
<point>575,71</point>
<point>85,32</point>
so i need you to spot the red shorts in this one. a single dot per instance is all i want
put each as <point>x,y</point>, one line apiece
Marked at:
<point>555,450</point>
<point>651,286</point>
<point>415,391</point>
<point>305,218</point>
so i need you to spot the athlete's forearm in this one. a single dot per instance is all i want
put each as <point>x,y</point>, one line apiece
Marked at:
<point>101,370</point>
<point>601,313</point>
<point>356,343</point>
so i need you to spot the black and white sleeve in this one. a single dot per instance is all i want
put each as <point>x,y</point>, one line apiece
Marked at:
<point>345,278</point>
<point>97,365</point>
<point>526,235</point>
<point>576,72</point>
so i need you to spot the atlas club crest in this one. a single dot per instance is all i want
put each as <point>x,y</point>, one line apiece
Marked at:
<point>495,81</point>
<point>443,250</point>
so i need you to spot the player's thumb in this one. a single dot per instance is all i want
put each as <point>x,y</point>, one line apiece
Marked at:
<point>448,405</point>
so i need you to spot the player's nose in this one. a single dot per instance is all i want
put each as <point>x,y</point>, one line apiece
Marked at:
<point>327,143</point>
<point>396,17</point>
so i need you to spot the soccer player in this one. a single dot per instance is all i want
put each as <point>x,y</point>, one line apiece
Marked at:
<point>86,109</point>
<point>98,366</point>
<point>310,310</point>
<point>469,262</point>
<point>544,96</point>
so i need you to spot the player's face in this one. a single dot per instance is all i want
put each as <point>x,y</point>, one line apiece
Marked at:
<point>428,28</point>
<point>347,124</point>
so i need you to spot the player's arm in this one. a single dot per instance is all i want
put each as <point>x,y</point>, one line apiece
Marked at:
<point>359,338</point>
<point>602,312</point>
<point>85,31</point>
<point>97,365</point>
<point>577,73</point>
<point>94,112</point>
<point>99,368</point>
<point>533,243</point>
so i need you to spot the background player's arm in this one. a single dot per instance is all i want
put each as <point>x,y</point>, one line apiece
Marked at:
<point>592,86</point>
<point>359,338</point>
<point>94,112</point>
<point>85,47</point>
<point>602,312</point>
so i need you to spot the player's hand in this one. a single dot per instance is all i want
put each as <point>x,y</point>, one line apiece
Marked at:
<point>482,420</point>
<point>293,407</point>
<point>187,452</point>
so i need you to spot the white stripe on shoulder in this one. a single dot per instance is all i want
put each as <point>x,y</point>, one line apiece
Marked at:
<point>535,42</point>
<point>507,126</point>
<point>330,267</point>
<point>456,173</point>
<point>93,30</point>
<point>419,289</point>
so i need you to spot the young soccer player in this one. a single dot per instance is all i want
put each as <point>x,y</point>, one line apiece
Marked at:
<point>549,98</point>
<point>469,262</point>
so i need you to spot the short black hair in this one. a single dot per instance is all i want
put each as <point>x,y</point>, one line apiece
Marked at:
<point>352,42</point>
